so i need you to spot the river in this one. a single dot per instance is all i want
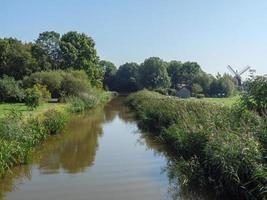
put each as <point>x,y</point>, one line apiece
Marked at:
<point>102,154</point>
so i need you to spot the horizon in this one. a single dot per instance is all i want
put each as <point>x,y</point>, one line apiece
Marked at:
<point>213,34</point>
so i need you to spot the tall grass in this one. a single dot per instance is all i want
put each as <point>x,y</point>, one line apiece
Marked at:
<point>220,146</point>
<point>19,134</point>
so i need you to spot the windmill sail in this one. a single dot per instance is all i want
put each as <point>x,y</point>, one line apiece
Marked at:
<point>244,70</point>
<point>231,69</point>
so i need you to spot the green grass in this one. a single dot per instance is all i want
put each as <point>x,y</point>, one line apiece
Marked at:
<point>222,147</point>
<point>7,107</point>
<point>229,101</point>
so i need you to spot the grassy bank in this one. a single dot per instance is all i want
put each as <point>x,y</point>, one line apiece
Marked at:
<point>217,145</point>
<point>21,130</point>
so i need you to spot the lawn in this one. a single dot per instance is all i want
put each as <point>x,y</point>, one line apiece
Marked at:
<point>7,107</point>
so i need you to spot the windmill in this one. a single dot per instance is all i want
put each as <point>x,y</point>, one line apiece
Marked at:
<point>237,75</point>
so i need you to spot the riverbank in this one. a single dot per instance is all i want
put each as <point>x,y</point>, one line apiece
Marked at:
<point>218,146</point>
<point>21,130</point>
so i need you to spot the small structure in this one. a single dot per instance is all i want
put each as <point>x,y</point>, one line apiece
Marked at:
<point>184,93</point>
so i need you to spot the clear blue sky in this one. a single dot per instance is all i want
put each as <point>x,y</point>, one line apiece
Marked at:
<point>213,33</point>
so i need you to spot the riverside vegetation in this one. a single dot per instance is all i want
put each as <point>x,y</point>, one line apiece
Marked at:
<point>53,68</point>
<point>219,146</point>
<point>19,133</point>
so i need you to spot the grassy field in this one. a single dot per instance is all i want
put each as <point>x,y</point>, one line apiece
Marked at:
<point>225,101</point>
<point>7,107</point>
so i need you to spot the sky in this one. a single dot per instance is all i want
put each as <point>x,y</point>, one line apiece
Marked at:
<point>214,33</point>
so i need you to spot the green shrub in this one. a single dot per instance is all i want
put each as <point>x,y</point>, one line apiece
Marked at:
<point>54,121</point>
<point>33,97</point>
<point>11,153</point>
<point>75,83</point>
<point>10,90</point>
<point>76,104</point>
<point>255,97</point>
<point>60,83</point>
<point>51,79</point>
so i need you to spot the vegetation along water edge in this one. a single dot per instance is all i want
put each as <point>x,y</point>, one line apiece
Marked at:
<point>21,131</point>
<point>217,145</point>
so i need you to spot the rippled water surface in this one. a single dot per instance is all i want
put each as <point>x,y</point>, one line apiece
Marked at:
<point>101,155</point>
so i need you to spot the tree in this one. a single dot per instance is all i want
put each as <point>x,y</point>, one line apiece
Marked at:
<point>78,52</point>
<point>153,74</point>
<point>109,70</point>
<point>127,77</point>
<point>255,96</point>
<point>10,90</point>
<point>222,86</point>
<point>189,71</point>
<point>174,71</point>
<point>46,50</point>
<point>196,89</point>
<point>15,58</point>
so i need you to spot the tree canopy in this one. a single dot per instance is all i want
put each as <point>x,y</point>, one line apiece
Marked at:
<point>153,74</point>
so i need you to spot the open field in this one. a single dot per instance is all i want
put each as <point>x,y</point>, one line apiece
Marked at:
<point>229,101</point>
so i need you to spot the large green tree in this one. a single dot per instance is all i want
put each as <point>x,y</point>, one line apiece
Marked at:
<point>46,50</point>
<point>127,77</point>
<point>78,52</point>
<point>153,74</point>
<point>109,70</point>
<point>174,70</point>
<point>15,58</point>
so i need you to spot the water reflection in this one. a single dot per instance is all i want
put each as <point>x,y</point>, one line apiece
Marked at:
<point>102,154</point>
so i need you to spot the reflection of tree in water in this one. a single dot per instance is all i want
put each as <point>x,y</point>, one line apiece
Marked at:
<point>19,174</point>
<point>75,151</point>
<point>117,108</point>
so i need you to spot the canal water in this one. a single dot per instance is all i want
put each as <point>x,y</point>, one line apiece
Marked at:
<point>102,154</point>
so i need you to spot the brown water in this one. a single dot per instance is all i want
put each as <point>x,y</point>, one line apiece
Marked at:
<point>101,155</point>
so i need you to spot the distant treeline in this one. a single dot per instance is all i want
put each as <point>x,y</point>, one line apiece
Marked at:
<point>76,51</point>
<point>166,77</point>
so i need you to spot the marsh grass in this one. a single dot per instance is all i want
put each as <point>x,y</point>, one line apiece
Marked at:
<point>221,146</point>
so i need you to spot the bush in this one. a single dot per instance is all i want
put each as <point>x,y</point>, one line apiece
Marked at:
<point>33,97</point>
<point>60,83</point>
<point>255,97</point>
<point>54,121</point>
<point>51,79</point>
<point>75,83</point>
<point>10,90</point>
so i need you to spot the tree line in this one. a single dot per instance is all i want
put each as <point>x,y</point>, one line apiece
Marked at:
<point>67,64</point>
<point>167,77</point>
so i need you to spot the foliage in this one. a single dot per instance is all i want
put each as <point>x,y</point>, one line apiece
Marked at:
<point>196,89</point>
<point>15,58</point>
<point>255,97</point>
<point>222,147</point>
<point>222,86</point>
<point>87,101</point>
<point>153,74</point>
<point>10,90</point>
<point>127,77</point>
<point>60,83</point>
<point>79,53</point>
<point>33,97</point>
<point>54,121</point>
<point>109,70</point>
<point>46,51</point>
